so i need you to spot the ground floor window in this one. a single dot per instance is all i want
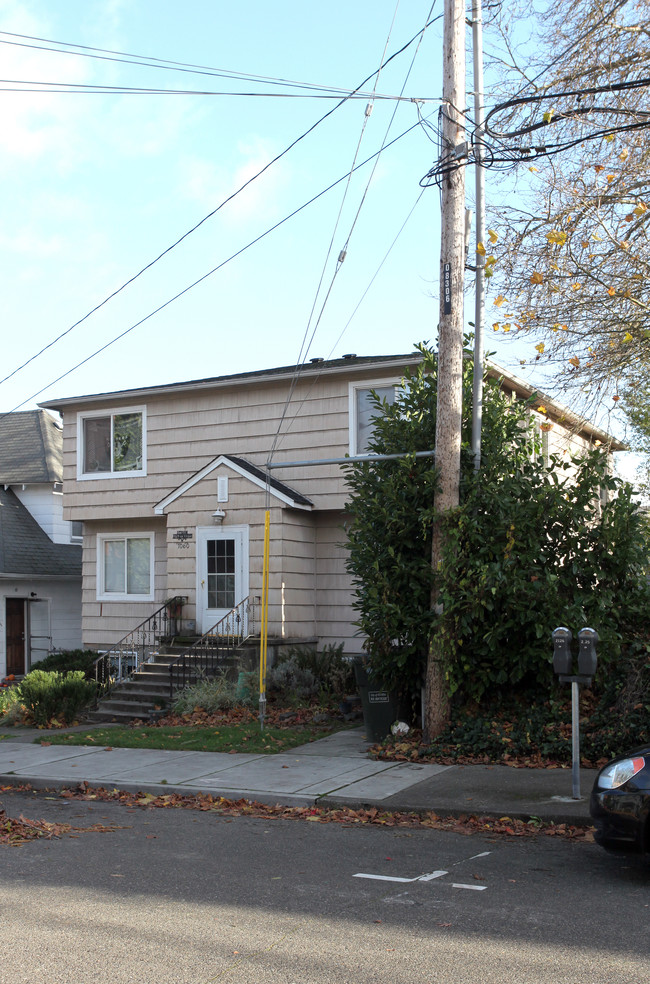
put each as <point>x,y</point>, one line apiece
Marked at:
<point>125,567</point>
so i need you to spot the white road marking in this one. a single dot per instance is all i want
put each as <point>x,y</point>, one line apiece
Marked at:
<point>428,877</point>
<point>394,878</point>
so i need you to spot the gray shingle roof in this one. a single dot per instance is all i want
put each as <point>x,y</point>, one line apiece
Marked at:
<point>25,548</point>
<point>31,448</point>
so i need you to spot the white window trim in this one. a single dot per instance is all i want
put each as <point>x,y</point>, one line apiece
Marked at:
<point>83,476</point>
<point>353,388</point>
<point>103,595</point>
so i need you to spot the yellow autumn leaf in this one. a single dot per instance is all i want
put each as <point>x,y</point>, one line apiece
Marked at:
<point>608,137</point>
<point>548,116</point>
<point>623,156</point>
<point>611,177</point>
<point>498,301</point>
<point>537,278</point>
<point>507,327</point>
<point>490,260</point>
<point>493,236</point>
<point>541,409</point>
<point>480,249</point>
<point>640,209</point>
<point>627,337</point>
<point>611,291</point>
<point>575,361</point>
<point>576,286</point>
<point>534,170</point>
<point>496,325</point>
<point>556,236</point>
<point>540,347</point>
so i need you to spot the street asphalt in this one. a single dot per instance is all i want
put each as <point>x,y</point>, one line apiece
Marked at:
<point>334,771</point>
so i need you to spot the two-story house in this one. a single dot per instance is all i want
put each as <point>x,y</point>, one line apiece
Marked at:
<point>40,552</point>
<point>171,485</point>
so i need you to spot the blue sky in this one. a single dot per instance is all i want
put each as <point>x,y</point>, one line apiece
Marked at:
<point>96,186</point>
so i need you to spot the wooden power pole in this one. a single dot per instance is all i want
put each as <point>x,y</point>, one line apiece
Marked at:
<point>450,332</point>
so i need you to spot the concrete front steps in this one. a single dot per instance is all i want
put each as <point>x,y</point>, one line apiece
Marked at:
<point>148,689</point>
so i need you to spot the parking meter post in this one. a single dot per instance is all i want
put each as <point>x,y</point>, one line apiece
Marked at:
<point>575,739</point>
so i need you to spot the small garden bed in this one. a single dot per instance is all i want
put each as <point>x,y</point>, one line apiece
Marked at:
<point>525,736</point>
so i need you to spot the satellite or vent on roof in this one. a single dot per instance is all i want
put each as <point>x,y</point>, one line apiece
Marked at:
<point>349,355</point>
<point>317,360</point>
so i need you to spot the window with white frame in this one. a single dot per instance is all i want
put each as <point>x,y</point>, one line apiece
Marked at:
<point>363,412</point>
<point>112,443</point>
<point>125,566</point>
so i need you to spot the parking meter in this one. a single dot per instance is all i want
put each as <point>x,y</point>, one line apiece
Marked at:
<point>587,658</point>
<point>562,650</point>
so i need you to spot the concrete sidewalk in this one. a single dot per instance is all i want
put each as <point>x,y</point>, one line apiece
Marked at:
<point>334,771</point>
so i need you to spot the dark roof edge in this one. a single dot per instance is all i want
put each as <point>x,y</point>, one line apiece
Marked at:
<point>335,366</point>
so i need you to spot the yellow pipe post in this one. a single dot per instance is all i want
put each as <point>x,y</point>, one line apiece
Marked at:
<point>264,621</point>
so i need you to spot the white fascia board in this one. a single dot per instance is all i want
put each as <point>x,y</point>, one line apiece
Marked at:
<point>223,460</point>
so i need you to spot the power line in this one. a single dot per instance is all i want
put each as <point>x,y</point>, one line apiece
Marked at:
<point>205,276</point>
<point>343,252</point>
<point>214,211</point>
<point>146,61</point>
<point>75,89</point>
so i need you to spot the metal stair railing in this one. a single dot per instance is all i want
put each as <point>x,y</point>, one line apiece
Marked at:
<point>214,648</point>
<point>139,646</point>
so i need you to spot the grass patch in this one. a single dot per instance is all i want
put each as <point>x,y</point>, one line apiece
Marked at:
<point>242,737</point>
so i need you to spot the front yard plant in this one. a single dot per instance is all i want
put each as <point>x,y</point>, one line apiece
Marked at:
<point>42,698</point>
<point>538,541</point>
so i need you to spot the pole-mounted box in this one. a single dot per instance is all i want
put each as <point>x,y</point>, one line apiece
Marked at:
<point>562,660</point>
<point>587,657</point>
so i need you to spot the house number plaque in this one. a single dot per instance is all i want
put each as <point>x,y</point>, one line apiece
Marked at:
<point>181,537</point>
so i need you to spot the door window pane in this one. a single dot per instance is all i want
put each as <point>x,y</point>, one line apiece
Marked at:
<point>221,574</point>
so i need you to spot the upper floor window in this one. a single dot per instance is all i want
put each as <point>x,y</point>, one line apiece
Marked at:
<point>363,412</point>
<point>112,443</point>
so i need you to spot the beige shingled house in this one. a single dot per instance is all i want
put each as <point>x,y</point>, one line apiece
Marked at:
<point>171,486</point>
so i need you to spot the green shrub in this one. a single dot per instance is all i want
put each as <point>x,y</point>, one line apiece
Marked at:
<point>9,705</point>
<point>48,695</point>
<point>289,680</point>
<point>68,660</point>
<point>211,694</point>
<point>304,672</point>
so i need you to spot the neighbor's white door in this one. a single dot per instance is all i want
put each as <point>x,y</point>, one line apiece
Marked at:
<point>222,572</point>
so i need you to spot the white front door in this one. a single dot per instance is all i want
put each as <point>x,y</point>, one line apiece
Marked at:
<point>222,572</point>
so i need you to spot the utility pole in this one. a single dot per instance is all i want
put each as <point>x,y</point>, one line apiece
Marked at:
<point>479,304</point>
<point>450,332</point>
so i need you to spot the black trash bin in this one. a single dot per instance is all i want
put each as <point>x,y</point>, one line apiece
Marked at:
<point>379,706</point>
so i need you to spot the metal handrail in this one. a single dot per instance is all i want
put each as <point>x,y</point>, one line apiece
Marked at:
<point>139,646</point>
<point>214,648</point>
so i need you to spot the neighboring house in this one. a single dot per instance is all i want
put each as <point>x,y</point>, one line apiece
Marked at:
<point>40,557</point>
<point>170,483</point>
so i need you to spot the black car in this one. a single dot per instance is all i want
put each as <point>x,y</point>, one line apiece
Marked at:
<point>620,802</point>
